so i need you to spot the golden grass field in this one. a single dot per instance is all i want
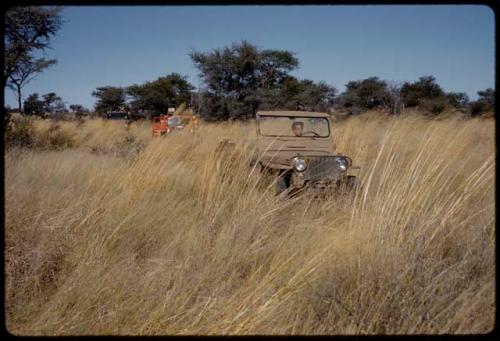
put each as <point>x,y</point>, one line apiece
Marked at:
<point>121,234</point>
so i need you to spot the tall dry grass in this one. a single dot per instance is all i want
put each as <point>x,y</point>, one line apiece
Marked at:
<point>160,242</point>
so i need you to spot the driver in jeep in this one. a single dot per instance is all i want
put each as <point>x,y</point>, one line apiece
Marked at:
<point>297,128</point>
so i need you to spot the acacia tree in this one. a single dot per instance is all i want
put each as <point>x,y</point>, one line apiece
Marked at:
<point>53,103</point>
<point>426,88</point>
<point>78,110</point>
<point>109,98</point>
<point>28,30</point>
<point>33,105</point>
<point>366,94</point>
<point>26,70</point>
<point>295,94</point>
<point>168,91</point>
<point>236,76</point>
<point>49,103</point>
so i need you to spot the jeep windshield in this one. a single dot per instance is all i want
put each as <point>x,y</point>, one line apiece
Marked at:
<point>294,126</point>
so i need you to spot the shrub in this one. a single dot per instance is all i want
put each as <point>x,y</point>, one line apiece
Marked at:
<point>458,100</point>
<point>55,138</point>
<point>477,108</point>
<point>434,106</point>
<point>485,104</point>
<point>19,132</point>
<point>129,147</point>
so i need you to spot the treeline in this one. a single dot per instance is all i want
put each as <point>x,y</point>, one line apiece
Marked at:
<point>425,94</point>
<point>152,97</point>
<point>237,81</point>
<point>50,105</point>
<point>240,79</point>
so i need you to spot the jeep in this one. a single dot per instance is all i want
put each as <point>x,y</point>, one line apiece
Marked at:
<point>296,149</point>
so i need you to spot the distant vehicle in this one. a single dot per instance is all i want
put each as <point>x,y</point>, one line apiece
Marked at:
<point>160,125</point>
<point>117,115</point>
<point>175,122</point>
<point>164,124</point>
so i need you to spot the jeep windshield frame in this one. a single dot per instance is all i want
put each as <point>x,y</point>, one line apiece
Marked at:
<point>293,136</point>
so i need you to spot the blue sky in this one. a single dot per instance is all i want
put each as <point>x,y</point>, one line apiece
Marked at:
<point>121,46</point>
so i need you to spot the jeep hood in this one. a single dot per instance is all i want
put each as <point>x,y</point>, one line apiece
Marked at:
<point>278,151</point>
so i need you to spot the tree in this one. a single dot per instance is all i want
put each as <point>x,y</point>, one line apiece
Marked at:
<point>49,103</point>
<point>315,96</point>
<point>33,105</point>
<point>365,94</point>
<point>78,110</point>
<point>169,91</point>
<point>487,96</point>
<point>294,94</point>
<point>425,94</point>
<point>237,77</point>
<point>26,70</point>
<point>53,103</point>
<point>109,98</point>
<point>458,100</point>
<point>27,30</point>
<point>484,104</point>
<point>425,88</point>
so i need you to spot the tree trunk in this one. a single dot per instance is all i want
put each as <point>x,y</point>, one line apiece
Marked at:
<point>20,106</point>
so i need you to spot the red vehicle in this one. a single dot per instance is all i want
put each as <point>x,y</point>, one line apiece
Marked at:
<point>160,125</point>
<point>164,124</point>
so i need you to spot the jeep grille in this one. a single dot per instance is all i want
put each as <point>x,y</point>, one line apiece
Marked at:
<point>322,168</point>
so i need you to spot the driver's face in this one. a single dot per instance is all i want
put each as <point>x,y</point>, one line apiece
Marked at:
<point>297,129</point>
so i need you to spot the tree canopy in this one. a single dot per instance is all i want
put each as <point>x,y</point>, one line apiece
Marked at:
<point>241,78</point>
<point>28,31</point>
<point>484,104</point>
<point>33,105</point>
<point>294,94</point>
<point>109,98</point>
<point>425,88</point>
<point>157,96</point>
<point>365,94</point>
<point>49,103</point>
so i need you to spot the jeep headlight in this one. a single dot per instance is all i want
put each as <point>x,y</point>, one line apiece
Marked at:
<point>343,163</point>
<point>299,164</point>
